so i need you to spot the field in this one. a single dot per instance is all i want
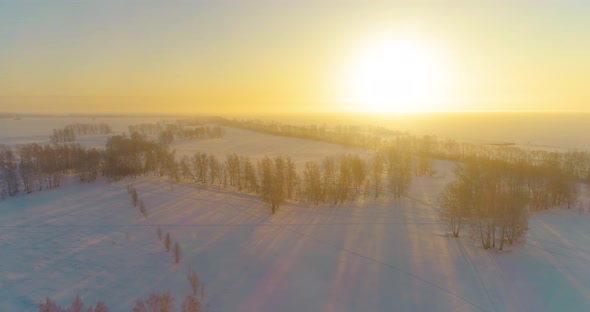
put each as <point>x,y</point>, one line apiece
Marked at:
<point>372,255</point>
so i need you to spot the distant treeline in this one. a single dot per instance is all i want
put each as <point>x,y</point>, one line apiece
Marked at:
<point>69,132</point>
<point>371,137</point>
<point>574,164</point>
<point>166,133</point>
<point>549,178</point>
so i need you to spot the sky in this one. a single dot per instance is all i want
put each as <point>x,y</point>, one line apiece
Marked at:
<point>261,56</point>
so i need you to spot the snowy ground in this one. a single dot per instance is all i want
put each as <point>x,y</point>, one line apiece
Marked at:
<point>376,255</point>
<point>38,129</point>
<point>257,145</point>
<point>243,142</point>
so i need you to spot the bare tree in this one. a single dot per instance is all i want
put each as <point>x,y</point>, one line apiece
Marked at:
<point>312,183</point>
<point>101,307</point>
<point>453,209</point>
<point>176,253</point>
<point>153,302</point>
<point>193,280</point>
<point>167,242</point>
<point>50,306</point>
<point>142,209</point>
<point>77,305</point>
<point>191,304</point>
<point>166,303</point>
<point>377,174</point>
<point>134,197</point>
<point>8,171</point>
<point>139,306</point>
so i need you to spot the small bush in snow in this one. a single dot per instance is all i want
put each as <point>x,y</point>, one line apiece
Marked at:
<point>167,241</point>
<point>176,253</point>
<point>142,209</point>
<point>134,197</point>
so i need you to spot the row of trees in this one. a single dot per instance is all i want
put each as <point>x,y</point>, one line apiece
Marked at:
<point>344,135</point>
<point>69,132</point>
<point>89,128</point>
<point>135,155</point>
<point>33,167</point>
<point>77,305</point>
<point>62,136</point>
<point>274,179</point>
<point>194,302</point>
<point>551,176</point>
<point>332,180</point>
<point>573,165</point>
<point>168,132</point>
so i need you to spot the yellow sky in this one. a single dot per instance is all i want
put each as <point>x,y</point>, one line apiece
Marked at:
<point>216,56</point>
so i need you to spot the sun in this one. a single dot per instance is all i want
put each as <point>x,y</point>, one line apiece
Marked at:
<point>397,75</point>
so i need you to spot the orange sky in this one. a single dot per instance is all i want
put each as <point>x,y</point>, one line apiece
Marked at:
<point>228,56</point>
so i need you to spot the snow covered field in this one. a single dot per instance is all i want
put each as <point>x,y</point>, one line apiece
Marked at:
<point>257,145</point>
<point>376,255</point>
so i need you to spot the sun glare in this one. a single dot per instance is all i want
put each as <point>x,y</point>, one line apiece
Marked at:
<point>397,75</point>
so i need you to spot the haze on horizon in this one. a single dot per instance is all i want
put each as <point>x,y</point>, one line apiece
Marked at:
<point>294,56</point>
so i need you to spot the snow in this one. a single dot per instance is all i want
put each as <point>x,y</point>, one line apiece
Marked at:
<point>243,142</point>
<point>38,129</point>
<point>376,255</point>
<point>257,145</point>
<point>371,255</point>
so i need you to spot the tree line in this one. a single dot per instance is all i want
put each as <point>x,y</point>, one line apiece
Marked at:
<point>69,132</point>
<point>33,167</point>
<point>333,180</point>
<point>347,135</point>
<point>155,302</point>
<point>551,176</point>
<point>134,155</point>
<point>168,132</point>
